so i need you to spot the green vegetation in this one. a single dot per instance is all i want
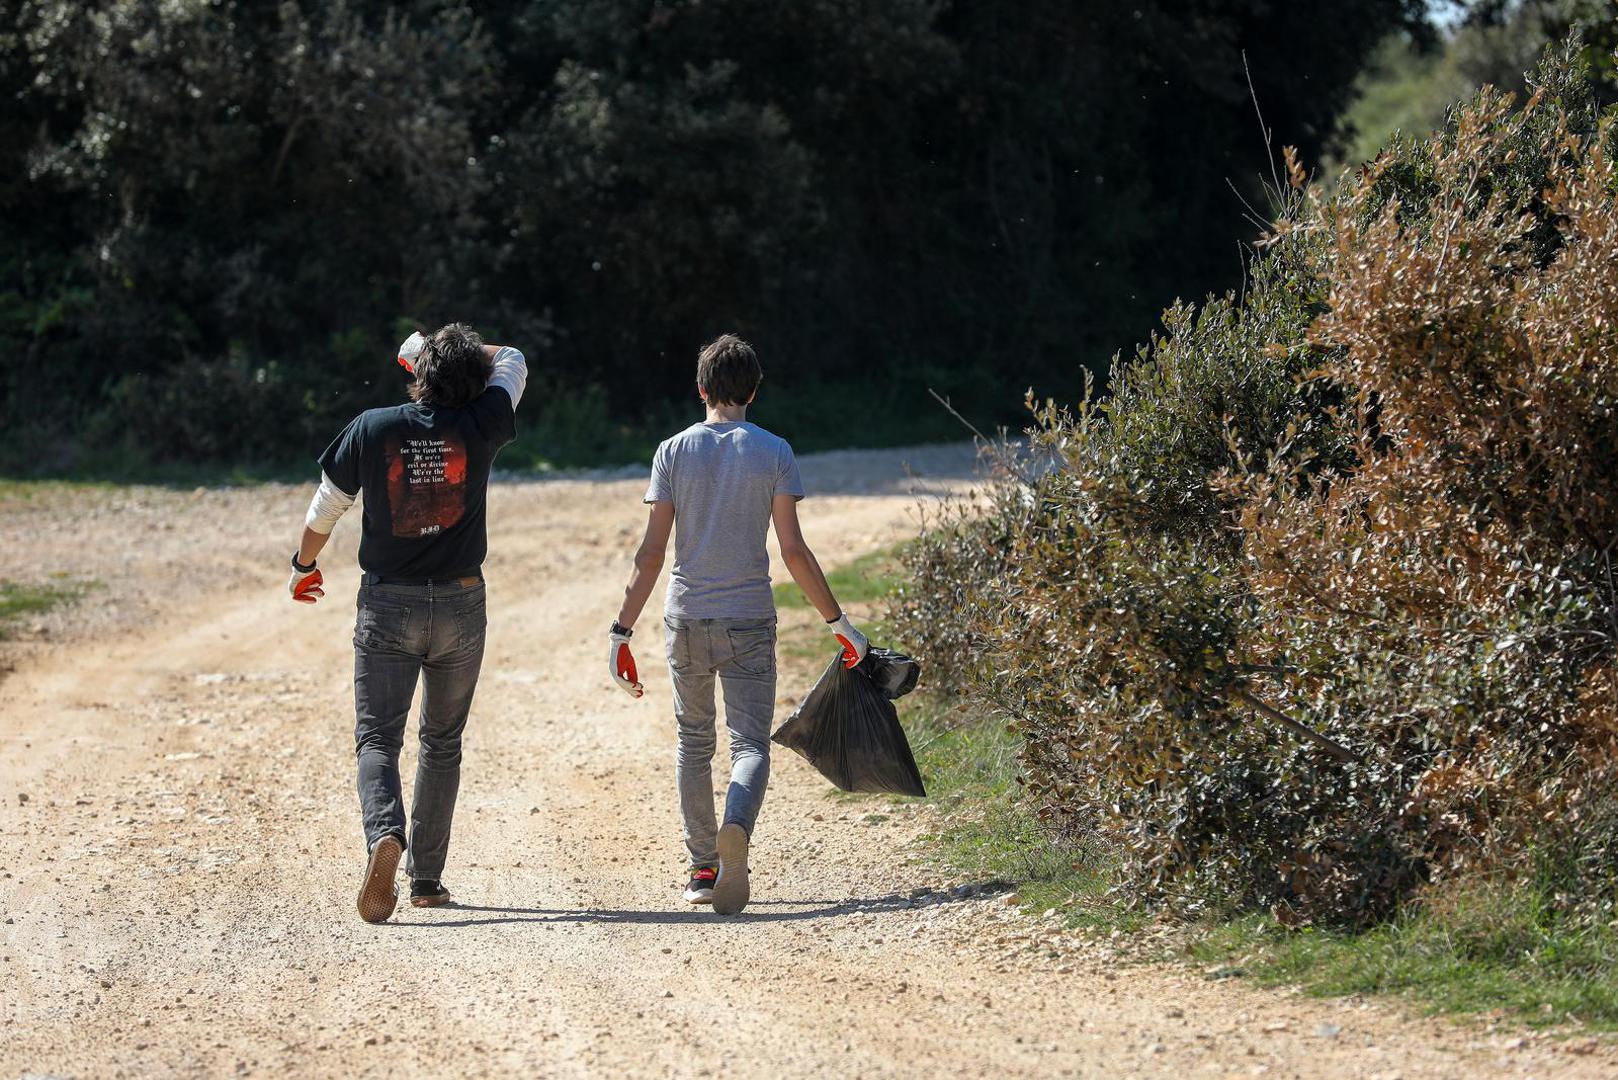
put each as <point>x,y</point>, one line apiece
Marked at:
<point>18,601</point>
<point>1301,626</point>
<point>1405,90</point>
<point>28,490</point>
<point>987,831</point>
<point>1412,81</point>
<point>866,580</point>
<point>1469,949</point>
<point>222,218</point>
<point>1304,618</point>
<point>1475,948</point>
<point>1186,554</point>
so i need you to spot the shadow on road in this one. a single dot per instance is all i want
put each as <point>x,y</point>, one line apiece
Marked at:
<point>800,910</point>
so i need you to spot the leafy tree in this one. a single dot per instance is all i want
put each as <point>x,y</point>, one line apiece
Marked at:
<point>220,214</point>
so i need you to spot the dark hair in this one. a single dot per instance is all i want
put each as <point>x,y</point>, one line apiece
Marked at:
<point>728,371</point>
<point>452,369</point>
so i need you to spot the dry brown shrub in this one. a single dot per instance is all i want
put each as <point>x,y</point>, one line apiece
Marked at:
<point>1396,533</point>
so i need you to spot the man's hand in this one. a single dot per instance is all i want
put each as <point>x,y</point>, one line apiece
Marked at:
<point>622,661</point>
<point>853,642</point>
<point>305,583</point>
<point>410,350</point>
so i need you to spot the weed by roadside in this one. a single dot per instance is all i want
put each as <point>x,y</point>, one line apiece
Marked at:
<point>12,490</point>
<point>985,828</point>
<point>1496,948</point>
<point>866,580</point>
<point>18,601</point>
<point>111,470</point>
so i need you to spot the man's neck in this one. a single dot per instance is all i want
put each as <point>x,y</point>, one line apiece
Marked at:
<point>726,414</point>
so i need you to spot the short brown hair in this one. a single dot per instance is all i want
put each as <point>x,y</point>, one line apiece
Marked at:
<point>728,371</point>
<point>452,368</point>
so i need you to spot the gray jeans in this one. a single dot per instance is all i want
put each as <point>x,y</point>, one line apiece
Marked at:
<point>741,652</point>
<point>403,632</point>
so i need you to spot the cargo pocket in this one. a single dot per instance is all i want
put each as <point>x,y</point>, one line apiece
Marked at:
<point>381,624</point>
<point>752,649</point>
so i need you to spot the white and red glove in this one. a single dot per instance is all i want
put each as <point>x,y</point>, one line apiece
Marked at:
<point>410,350</point>
<point>622,661</point>
<point>305,583</point>
<point>853,642</point>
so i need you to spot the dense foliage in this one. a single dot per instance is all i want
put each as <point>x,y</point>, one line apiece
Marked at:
<point>1410,81</point>
<point>1319,605</point>
<point>220,215</point>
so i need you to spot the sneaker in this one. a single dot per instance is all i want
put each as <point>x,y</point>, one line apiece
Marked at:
<point>730,891</point>
<point>428,892</point>
<point>699,890</point>
<point>378,893</point>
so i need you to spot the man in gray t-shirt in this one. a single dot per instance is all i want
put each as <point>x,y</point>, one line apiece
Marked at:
<point>718,486</point>
<point>722,478</point>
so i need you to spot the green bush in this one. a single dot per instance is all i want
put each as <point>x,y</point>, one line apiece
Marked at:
<point>1317,607</point>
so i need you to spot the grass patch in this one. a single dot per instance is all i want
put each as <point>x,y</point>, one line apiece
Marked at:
<point>1503,949</point>
<point>986,831</point>
<point>1474,947</point>
<point>19,601</point>
<point>805,651</point>
<point>867,579</point>
<point>13,490</point>
<point>112,471</point>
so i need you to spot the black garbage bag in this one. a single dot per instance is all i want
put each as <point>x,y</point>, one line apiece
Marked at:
<point>894,673</point>
<point>849,730</point>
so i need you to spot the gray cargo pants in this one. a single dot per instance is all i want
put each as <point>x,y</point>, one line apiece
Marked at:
<point>741,652</point>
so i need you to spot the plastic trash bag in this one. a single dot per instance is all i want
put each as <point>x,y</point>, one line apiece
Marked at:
<point>848,729</point>
<point>893,673</point>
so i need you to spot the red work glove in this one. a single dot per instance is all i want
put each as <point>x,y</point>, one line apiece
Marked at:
<point>622,661</point>
<point>410,350</point>
<point>305,583</point>
<point>853,642</point>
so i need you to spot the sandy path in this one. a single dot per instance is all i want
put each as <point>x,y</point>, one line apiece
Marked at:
<point>179,849</point>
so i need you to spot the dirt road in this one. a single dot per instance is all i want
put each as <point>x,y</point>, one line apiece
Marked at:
<point>179,847</point>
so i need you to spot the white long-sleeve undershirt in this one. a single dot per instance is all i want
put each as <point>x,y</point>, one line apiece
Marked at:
<point>510,373</point>
<point>330,503</point>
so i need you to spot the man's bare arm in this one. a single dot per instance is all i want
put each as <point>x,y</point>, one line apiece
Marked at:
<point>311,545</point>
<point>801,562</point>
<point>805,569</point>
<point>648,562</point>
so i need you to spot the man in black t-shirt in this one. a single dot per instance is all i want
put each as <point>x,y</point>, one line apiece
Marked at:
<point>424,470</point>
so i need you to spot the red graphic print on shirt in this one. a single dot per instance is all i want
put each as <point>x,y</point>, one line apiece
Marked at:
<point>426,483</point>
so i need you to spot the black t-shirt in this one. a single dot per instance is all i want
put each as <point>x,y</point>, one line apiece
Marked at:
<point>425,473</point>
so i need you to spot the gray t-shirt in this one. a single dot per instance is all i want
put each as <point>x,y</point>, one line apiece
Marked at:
<point>721,479</point>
